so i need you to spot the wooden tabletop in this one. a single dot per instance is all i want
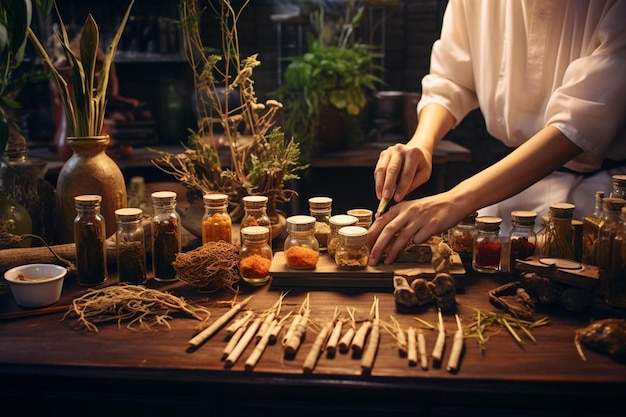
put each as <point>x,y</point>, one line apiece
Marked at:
<point>65,366</point>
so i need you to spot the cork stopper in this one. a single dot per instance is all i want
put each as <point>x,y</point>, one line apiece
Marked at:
<point>619,181</point>
<point>342,220</point>
<point>353,236</point>
<point>523,217</point>
<point>254,201</point>
<point>488,223</point>
<point>562,210</point>
<point>128,214</point>
<point>320,203</point>
<point>255,233</point>
<point>300,223</point>
<point>215,200</point>
<point>613,204</point>
<point>470,219</point>
<point>87,200</point>
<point>163,196</point>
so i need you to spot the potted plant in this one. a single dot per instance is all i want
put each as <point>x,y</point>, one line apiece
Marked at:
<point>326,92</point>
<point>262,160</point>
<point>83,85</point>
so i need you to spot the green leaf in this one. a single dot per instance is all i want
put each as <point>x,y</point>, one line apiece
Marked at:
<point>19,14</point>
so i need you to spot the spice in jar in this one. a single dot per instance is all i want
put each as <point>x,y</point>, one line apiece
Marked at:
<point>461,236</point>
<point>522,239</point>
<point>558,238</point>
<point>320,208</point>
<point>591,226</point>
<point>337,222</point>
<point>363,215</point>
<point>216,222</point>
<point>130,245</point>
<point>487,245</point>
<point>255,214</point>
<point>616,277</point>
<point>90,241</point>
<point>255,255</point>
<point>166,235</point>
<point>301,246</point>
<point>352,252</point>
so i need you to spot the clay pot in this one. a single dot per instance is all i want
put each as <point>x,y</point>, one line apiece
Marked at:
<point>88,171</point>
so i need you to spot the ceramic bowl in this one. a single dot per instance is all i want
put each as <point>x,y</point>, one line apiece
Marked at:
<point>36,285</point>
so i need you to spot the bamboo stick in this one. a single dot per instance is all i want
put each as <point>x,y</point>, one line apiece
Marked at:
<point>256,354</point>
<point>243,342</point>
<point>437,354</point>
<point>369,355</point>
<point>232,342</point>
<point>457,347</point>
<point>421,348</point>
<point>411,347</point>
<point>235,325</point>
<point>217,324</point>
<point>333,340</point>
<point>318,346</point>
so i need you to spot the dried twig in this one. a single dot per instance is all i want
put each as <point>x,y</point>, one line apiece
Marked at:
<point>346,339</point>
<point>294,341</point>
<point>198,339</point>
<point>457,347</point>
<point>437,354</point>
<point>369,355</point>
<point>318,345</point>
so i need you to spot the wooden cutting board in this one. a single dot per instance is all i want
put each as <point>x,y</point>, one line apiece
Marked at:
<point>327,275</point>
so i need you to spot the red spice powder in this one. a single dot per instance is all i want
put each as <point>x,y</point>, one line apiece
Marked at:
<point>255,266</point>
<point>301,258</point>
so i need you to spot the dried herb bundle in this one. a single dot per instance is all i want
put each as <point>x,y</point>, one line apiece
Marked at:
<point>211,267</point>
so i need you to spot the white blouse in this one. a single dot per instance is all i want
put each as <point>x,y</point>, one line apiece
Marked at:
<point>535,63</point>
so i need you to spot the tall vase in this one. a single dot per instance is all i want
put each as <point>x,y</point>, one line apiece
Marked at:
<point>88,171</point>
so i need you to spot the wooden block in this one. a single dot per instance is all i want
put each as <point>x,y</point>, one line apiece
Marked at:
<point>585,277</point>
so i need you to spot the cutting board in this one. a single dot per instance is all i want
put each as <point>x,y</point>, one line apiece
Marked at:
<point>327,275</point>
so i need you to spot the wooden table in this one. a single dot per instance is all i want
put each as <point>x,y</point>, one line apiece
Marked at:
<point>48,364</point>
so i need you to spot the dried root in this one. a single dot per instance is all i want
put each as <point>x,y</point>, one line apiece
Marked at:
<point>211,267</point>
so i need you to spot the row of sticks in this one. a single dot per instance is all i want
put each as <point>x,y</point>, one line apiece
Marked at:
<point>265,329</point>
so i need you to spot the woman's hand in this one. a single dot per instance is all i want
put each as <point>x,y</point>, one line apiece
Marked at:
<point>401,169</point>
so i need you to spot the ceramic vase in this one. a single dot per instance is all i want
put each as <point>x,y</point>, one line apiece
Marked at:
<point>88,171</point>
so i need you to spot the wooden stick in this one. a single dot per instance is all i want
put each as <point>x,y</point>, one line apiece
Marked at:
<point>33,313</point>
<point>400,336</point>
<point>235,325</point>
<point>232,342</point>
<point>333,340</point>
<point>441,340</point>
<point>243,342</point>
<point>369,355</point>
<point>265,325</point>
<point>411,347</point>
<point>293,344</point>
<point>421,348</point>
<point>291,328</point>
<point>346,340</point>
<point>217,324</point>
<point>275,331</point>
<point>256,354</point>
<point>317,348</point>
<point>359,337</point>
<point>457,347</point>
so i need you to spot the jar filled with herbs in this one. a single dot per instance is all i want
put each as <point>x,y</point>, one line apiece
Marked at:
<point>363,215</point>
<point>616,277</point>
<point>337,222</point>
<point>461,236</point>
<point>255,214</point>
<point>255,256</point>
<point>487,247</point>
<point>352,252</point>
<point>302,249</point>
<point>90,241</point>
<point>321,208</point>
<point>166,235</point>
<point>610,220</point>
<point>558,238</point>
<point>216,222</point>
<point>591,226</point>
<point>522,241</point>
<point>130,245</point>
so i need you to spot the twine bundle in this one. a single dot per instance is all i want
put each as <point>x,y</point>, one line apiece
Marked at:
<point>210,267</point>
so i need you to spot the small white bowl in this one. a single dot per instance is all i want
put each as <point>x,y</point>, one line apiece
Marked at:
<point>36,285</point>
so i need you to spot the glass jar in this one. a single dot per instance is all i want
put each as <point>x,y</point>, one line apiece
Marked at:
<point>352,252</point>
<point>130,245</point>
<point>610,220</point>
<point>320,208</point>
<point>337,222</point>
<point>302,250</point>
<point>14,219</point>
<point>522,241</point>
<point>487,247</point>
<point>591,226</point>
<point>216,222</point>
<point>137,194</point>
<point>619,186</point>
<point>255,214</point>
<point>558,239</point>
<point>364,216</point>
<point>90,241</point>
<point>461,236</point>
<point>166,235</point>
<point>255,256</point>
<point>616,277</point>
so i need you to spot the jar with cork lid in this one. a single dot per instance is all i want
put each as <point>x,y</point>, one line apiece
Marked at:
<point>352,252</point>
<point>618,183</point>
<point>216,222</point>
<point>90,241</point>
<point>337,222</point>
<point>130,245</point>
<point>321,208</point>
<point>461,236</point>
<point>166,235</point>
<point>255,214</point>
<point>302,249</point>
<point>255,255</point>
<point>522,241</point>
<point>487,247</point>
<point>558,238</point>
